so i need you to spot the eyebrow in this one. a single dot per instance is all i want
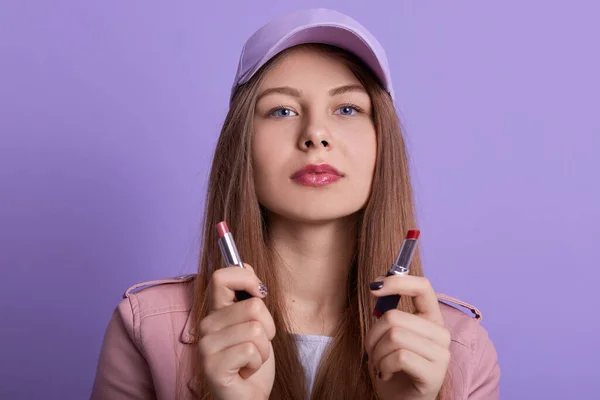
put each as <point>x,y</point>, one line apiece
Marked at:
<point>347,88</point>
<point>289,91</point>
<point>281,90</point>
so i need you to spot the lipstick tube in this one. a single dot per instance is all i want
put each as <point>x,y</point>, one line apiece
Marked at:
<point>400,267</point>
<point>230,255</point>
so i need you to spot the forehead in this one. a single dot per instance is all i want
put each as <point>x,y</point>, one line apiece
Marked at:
<point>305,68</point>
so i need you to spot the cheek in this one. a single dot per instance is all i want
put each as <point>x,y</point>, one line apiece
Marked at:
<point>261,148</point>
<point>268,162</point>
<point>366,159</point>
<point>365,154</point>
<point>267,139</point>
<point>261,169</point>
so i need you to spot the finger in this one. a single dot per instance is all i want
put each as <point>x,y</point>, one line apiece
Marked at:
<point>244,311</point>
<point>225,281</point>
<point>398,338</point>
<point>243,359</point>
<point>415,323</point>
<point>231,336</point>
<point>424,297</point>
<point>406,361</point>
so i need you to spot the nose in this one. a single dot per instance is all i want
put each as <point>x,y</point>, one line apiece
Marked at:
<point>314,136</point>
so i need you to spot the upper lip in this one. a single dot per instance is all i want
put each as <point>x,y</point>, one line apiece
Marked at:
<point>316,169</point>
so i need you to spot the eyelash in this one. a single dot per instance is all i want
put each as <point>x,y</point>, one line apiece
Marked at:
<point>279,107</point>
<point>351,105</point>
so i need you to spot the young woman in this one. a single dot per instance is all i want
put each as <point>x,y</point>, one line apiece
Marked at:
<point>311,174</point>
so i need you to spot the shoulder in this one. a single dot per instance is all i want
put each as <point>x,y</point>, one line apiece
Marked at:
<point>145,340</point>
<point>147,304</point>
<point>170,292</point>
<point>461,318</point>
<point>474,356</point>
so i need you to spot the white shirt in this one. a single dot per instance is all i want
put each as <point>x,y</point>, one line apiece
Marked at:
<point>310,350</point>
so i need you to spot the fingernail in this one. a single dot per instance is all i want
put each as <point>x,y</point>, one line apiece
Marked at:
<point>365,357</point>
<point>376,285</point>
<point>379,374</point>
<point>263,289</point>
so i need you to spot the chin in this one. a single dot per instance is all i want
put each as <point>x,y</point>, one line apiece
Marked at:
<point>314,213</point>
<point>316,218</point>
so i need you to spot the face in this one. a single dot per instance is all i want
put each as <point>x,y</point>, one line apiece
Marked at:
<point>314,143</point>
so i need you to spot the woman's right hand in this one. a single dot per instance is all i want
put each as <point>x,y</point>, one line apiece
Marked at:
<point>235,338</point>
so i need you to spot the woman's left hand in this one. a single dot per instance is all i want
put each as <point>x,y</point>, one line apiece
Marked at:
<point>409,352</point>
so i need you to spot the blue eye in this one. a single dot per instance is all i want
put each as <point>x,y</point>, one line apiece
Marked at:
<point>347,110</point>
<point>282,113</point>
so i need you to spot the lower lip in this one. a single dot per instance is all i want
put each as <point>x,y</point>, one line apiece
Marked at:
<point>317,179</point>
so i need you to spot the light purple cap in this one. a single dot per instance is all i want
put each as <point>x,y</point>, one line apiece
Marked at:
<point>317,25</point>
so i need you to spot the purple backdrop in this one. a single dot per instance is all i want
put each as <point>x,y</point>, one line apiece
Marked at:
<point>109,113</point>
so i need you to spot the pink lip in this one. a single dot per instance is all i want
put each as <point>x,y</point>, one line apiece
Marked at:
<point>316,175</point>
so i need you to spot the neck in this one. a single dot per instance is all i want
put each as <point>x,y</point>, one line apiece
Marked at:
<point>314,261</point>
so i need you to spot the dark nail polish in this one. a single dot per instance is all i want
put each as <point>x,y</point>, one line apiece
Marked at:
<point>376,285</point>
<point>241,295</point>
<point>379,374</point>
<point>263,289</point>
<point>365,357</point>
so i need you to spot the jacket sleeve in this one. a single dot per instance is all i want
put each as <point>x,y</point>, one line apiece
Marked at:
<point>485,372</point>
<point>122,371</point>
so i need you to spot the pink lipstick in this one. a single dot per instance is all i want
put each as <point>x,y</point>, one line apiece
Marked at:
<point>230,255</point>
<point>316,175</point>
<point>400,267</point>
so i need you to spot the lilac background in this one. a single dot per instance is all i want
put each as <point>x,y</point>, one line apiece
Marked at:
<point>109,112</point>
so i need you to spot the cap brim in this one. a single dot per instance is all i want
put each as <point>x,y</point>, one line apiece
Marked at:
<point>335,35</point>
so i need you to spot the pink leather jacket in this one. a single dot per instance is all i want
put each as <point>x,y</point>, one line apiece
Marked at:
<point>148,341</point>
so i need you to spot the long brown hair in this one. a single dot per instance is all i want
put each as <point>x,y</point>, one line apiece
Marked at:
<point>388,214</point>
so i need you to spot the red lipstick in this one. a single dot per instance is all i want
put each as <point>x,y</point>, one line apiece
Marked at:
<point>230,254</point>
<point>400,267</point>
<point>316,175</point>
